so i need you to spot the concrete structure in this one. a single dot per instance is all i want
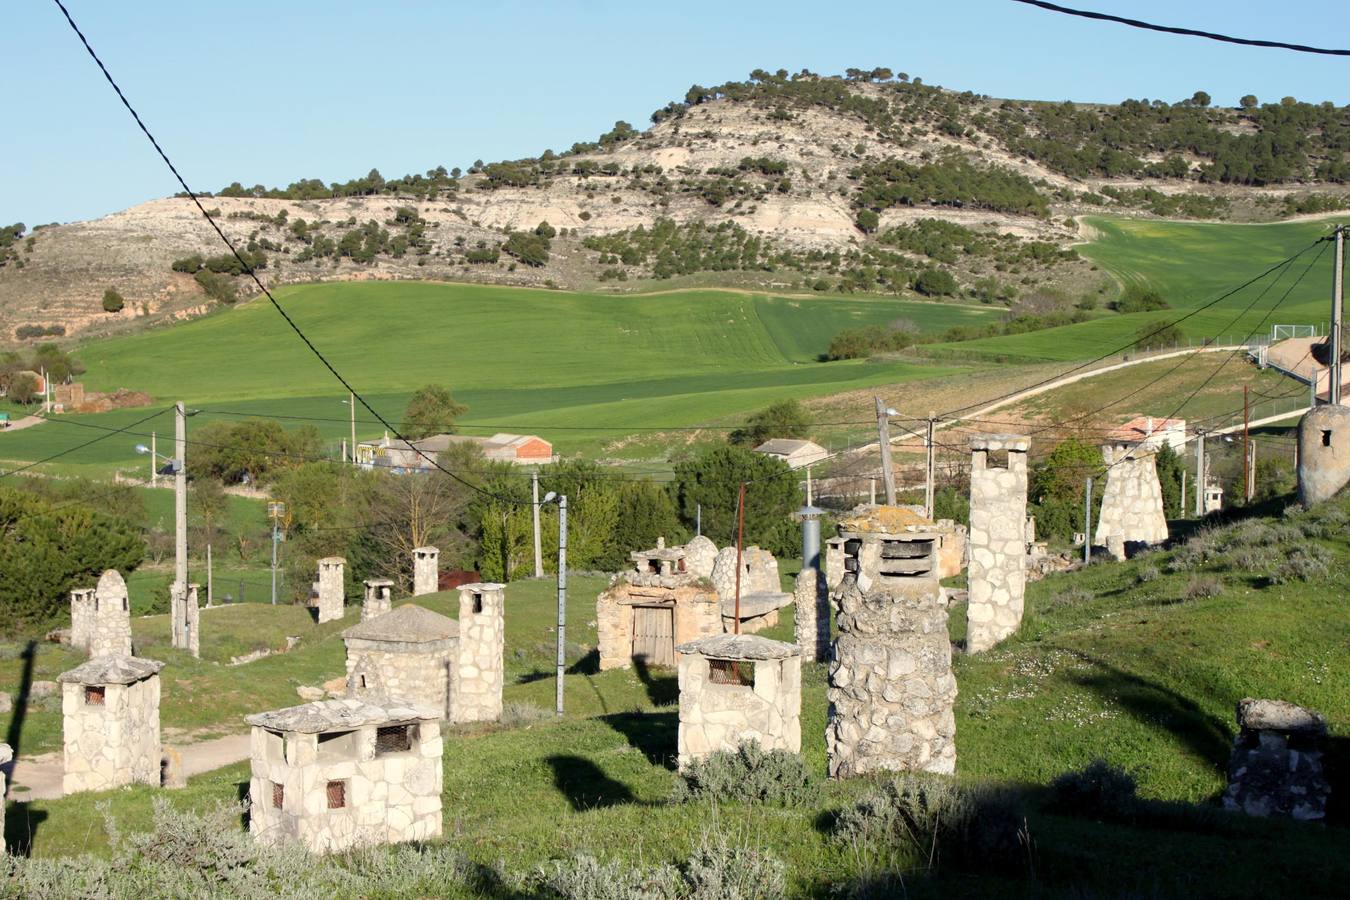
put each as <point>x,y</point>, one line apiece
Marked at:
<point>891,688</point>
<point>1276,766</point>
<point>82,618</point>
<point>345,773</point>
<point>111,634</point>
<point>906,523</point>
<point>477,692</point>
<point>811,620</point>
<point>412,457</point>
<point>6,754</point>
<point>409,653</point>
<point>426,569</point>
<point>645,613</point>
<point>1323,453</point>
<point>1213,497</point>
<point>1147,433</point>
<point>379,598</point>
<point>700,554</point>
<point>735,689</point>
<point>1132,516</point>
<point>797,454</point>
<point>332,593</point>
<point>998,513</point>
<point>185,619</point>
<point>110,723</point>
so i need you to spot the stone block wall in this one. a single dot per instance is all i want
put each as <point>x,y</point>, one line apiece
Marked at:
<point>1276,766</point>
<point>379,598</point>
<point>480,673</point>
<point>891,689</point>
<point>697,613</point>
<point>82,618</point>
<point>997,537</point>
<point>421,673</point>
<point>111,634</point>
<point>699,555</point>
<point>426,571</point>
<point>1323,453</point>
<point>113,743</point>
<point>387,798</point>
<point>1132,512</point>
<point>715,716</point>
<point>332,588</point>
<point>811,620</point>
<point>759,572</point>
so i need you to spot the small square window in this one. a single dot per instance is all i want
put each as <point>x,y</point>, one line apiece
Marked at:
<point>337,795</point>
<point>393,739</point>
<point>278,795</point>
<point>95,694</point>
<point>996,459</point>
<point>1326,438</point>
<point>731,671</point>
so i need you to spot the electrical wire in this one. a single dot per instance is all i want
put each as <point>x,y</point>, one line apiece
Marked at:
<point>126,429</point>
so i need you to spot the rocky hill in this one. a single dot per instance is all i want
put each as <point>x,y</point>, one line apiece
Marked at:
<point>870,182</point>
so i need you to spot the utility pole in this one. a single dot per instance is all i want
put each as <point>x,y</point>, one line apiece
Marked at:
<point>180,568</point>
<point>562,596</point>
<point>275,510</point>
<point>740,543</point>
<point>884,441</point>
<point>1183,493</point>
<point>1087,523</point>
<point>538,552</point>
<point>1251,471</point>
<point>808,486</point>
<point>210,591</point>
<point>1338,283</point>
<point>1246,444</point>
<point>154,460</point>
<point>1200,485</point>
<point>351,403</point>
<point>928,478</point>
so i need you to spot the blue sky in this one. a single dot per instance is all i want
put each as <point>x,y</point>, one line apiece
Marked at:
<point>270,92</point>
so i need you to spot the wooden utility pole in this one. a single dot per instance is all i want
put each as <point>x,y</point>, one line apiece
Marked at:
<point>884,441</point>
<point>1338,283</point>
<point>928,475</point>
<point>740,545</point>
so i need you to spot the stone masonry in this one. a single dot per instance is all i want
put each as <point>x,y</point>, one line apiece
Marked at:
<point>6,754</point>
<point>426,571</point>
<point>1132,515</point>
<point>379,598</point>
<point>891,689</point>
<point>332,588</point>
<point>998,512</point>
<point>409,653</point>
<point>477,694</point>
<point>811,623</point>
<point>110,723</point>
<point>699,555</point>
<point>689,603</point>
<point>759,572</point>
<point>81,618</point>
<point>111,634</point>
<point>339,774</point>
<point>735,689</point>
<point>1276,766</point>
<point>1323,453</point>
<point>948,537</point>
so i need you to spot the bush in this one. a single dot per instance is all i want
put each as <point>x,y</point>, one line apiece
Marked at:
<point>112,301</point>
<point>935,283</point>
<point>1139,299</point>
<point>218,287</point>
<point>531,249</point>
<point>1147,573</point>
<point>482,255</point>
<point>948,825</point>
<point>747,775</point>
<point>1302,565</point>
<point>1202,587</point>
<point>1100,789</point>
<point>28,332</point>
<point>1156,334</point>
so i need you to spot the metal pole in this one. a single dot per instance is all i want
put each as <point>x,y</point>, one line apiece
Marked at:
<point>1338,281</point>
<point>538,552</point>
<point>1087,523</point>
<point>1246,444</point>
<point>884,441</point>
<point>928,483</point>
<point>276,538</point>
<point>154,460</point>
<point>351,401</point>
<point>808,486</point>
<point>1200,486</point>
<point>210,592</point>
<point>180,566</point>
<point>1183,494</point>
<point>740,544</point>
<point>562,596</point>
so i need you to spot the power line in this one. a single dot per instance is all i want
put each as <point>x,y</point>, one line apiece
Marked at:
<point>248,269</point>
<point>1186,32</point>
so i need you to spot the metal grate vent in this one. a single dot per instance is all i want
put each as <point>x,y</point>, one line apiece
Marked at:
<point>95,695</point>
<point>731,671</point>
<point>337,795</point>
<point>393,739</point>
<point>278,795</point>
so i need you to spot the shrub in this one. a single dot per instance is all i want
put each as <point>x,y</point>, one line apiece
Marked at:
<point>27,332</point>
<point>1100,789</point>
<point>112,301</point>
<point>516,714</point>
<point>747,775</point>
<point>1147,573</point>
<point>950,825</point>
<point>218,287</point>
<point>482,255</point>
<point>935,283</point>
<point>1302,565</point>
<point>583,877</point>
<point>1202,587</point>
<point>1139,299</point>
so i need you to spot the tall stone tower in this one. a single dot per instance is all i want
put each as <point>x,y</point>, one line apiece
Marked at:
<point>81,618</point>
<point>477,691</point>
<point>998,552</point>
<point>111,635</point>
<point>331,588</point>
<point>426,570</point>
<point>1132,513</point>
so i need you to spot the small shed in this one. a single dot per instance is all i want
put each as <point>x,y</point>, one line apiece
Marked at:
<point>409,652</point>
<point>797,454</point>
<point>338,774</point>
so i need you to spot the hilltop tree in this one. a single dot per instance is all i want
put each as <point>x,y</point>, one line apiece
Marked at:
<point>1200,98</point>
<point>1248,101</point>
<point>431,410</point>
<point>784,419</point>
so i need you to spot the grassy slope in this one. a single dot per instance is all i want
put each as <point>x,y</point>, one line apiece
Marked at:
<point>1131,670</point>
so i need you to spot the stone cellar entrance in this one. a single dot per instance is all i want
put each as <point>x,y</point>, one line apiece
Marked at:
<point>654,634</point>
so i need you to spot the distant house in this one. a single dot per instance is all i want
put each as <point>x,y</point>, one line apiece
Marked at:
<point>419,455</point>
<point>1148,433</point>
<point>795,453</point>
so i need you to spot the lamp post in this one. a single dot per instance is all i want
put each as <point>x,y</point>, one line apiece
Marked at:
<point>350,403</point>
<point>561,499</point>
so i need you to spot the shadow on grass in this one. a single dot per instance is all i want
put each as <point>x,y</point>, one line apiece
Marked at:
<point>21,823</point>
<point>662,690</point>
<point>242,795</point>
<point>587,665</point>
<point>653,733</point>
<point>585,784</point>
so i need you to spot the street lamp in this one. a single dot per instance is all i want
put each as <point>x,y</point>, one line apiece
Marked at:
<point>561,500</point>
<point>172,465</point>
<point>350,402</point>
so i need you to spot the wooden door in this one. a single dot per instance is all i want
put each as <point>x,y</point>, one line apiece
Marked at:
<point>654,634</point>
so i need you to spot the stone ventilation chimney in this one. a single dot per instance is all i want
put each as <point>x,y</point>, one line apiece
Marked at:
<point>426,569</point>
<point>998,553</point>
<point>110,723</point>
<point>477,693</point>
<point>81,618</point>
<point>111,635</point>
<point>379,598</point>
<point>332,570</point>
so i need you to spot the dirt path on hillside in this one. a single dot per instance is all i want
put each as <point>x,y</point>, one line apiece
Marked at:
<point>21,424</point>
<point>39,777</point>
